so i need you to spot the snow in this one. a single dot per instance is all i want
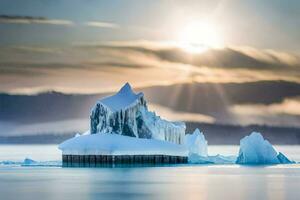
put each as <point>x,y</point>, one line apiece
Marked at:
<point>122,100</point>
<point>114,144</point>
<point>196,143</point>
<point>254,149</point>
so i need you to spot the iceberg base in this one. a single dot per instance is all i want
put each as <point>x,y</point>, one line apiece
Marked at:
<point>106,160</point>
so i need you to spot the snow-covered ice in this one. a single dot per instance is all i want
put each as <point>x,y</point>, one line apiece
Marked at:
<point>115,144</point>
<point>196,143</point>
<point>126,113</point>
<point>254,149</point>
<point>122,100</point>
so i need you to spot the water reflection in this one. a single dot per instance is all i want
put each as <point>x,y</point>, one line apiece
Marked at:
<point>192,182</point>
<point>204,182</point>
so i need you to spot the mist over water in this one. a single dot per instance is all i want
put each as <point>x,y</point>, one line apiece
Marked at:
<point>52,153</point>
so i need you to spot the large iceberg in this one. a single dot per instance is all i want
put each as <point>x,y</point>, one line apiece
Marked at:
<point>196,143</point>
<point>254,149</point>
<point>126,113</point>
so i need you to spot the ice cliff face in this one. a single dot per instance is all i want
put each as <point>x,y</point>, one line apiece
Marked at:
<point>126,113</point>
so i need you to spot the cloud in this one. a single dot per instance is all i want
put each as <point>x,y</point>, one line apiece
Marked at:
<point>285,113</point>
<point>230,64</point>
<point>290,106</point>
<point>229,57</point>
<point>143,63</point>
<point>100,24</point>
<point>15,19</point>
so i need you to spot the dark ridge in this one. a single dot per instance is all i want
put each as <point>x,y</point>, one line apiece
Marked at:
<point>218,134</point>
<point>206,98</point>
<point>215,134</point>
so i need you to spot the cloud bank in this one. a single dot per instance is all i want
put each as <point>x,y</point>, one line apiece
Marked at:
<point>88,68</point>
<point>285,113</point>
<point>15,19</point>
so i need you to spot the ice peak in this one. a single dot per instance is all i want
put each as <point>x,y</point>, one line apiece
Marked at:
<point>122,99</point>
<point>197,131</point>
<point>126,89</point>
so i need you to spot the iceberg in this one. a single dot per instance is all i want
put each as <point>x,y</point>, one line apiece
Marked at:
<point>254,149</point>
<point>196,143</point>
<point>198,154</point>
<point>123,130</point>
<point>28,161</point>
<point>126,113</point>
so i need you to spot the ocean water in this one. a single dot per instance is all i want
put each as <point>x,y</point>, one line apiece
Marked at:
<point>172,182</point>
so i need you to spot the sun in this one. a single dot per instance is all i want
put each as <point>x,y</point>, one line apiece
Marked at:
<point>198,36</point>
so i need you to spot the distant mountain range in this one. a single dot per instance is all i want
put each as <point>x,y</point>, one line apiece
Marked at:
<point>215,134</point>
<point>205,98</point>
<point>211,99</point>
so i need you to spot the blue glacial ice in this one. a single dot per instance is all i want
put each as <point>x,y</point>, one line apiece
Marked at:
<point>196,143</point>
<point>283,159</point>
<point>254,149</point>
<point>198,154</point>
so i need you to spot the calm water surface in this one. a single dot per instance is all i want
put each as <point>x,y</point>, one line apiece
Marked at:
<point>177,182</point>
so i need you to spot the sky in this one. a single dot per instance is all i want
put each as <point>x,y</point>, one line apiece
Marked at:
<point>69,46</point>
<point>92,46</point>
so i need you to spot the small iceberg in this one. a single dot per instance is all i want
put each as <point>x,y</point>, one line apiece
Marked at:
<point>198,154</point>
<point>28,161</point>
<point>254,149</point>
<point>196,143</point>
